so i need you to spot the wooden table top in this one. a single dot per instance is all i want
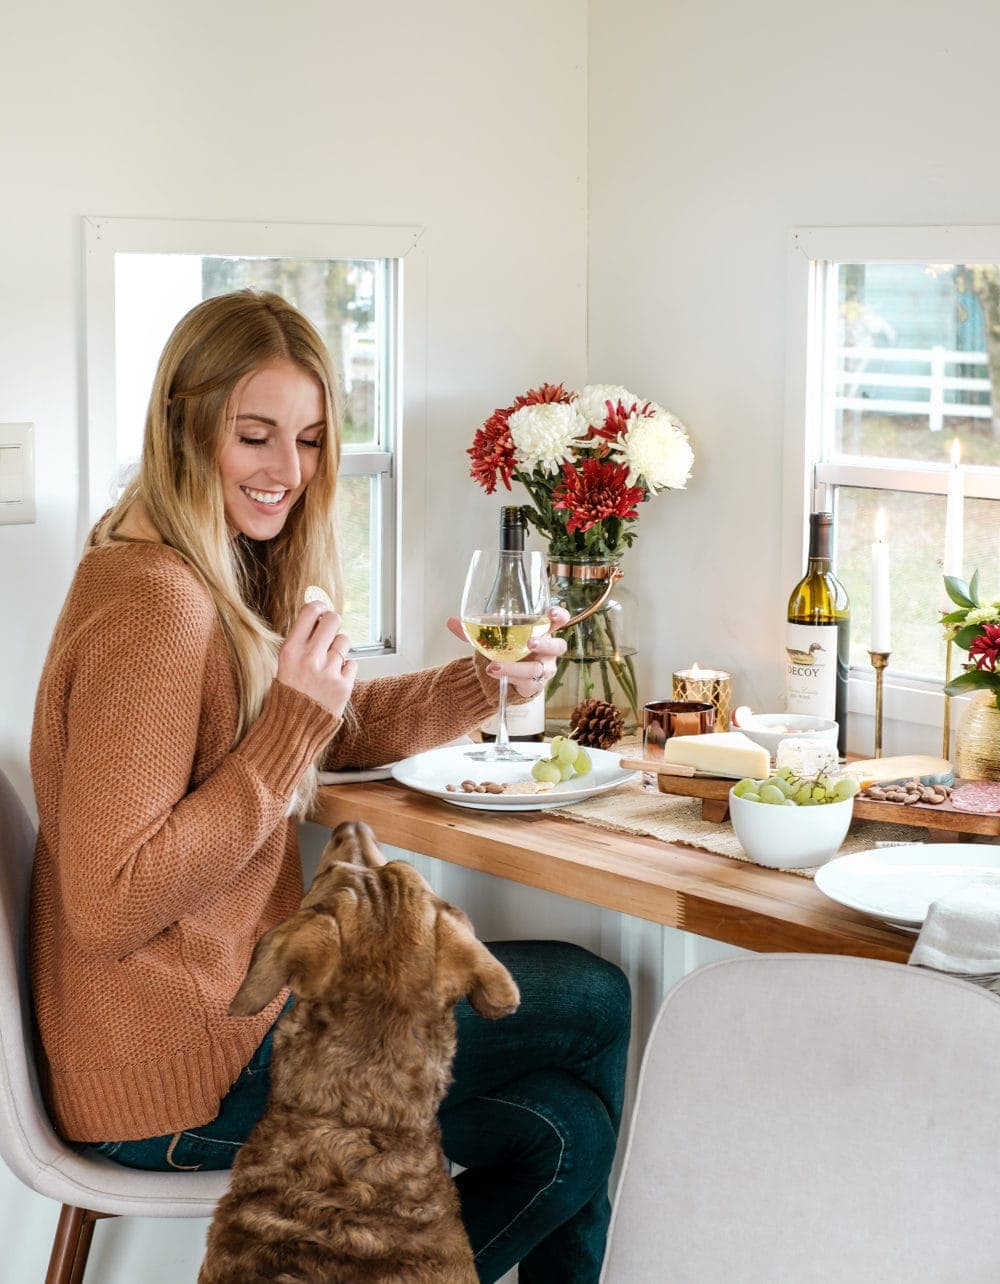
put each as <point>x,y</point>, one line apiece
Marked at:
<point>696,891</point>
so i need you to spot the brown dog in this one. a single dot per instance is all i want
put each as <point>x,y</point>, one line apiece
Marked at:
<point>343,1179</point>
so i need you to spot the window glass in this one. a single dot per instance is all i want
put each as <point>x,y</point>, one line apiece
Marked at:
<point>357,499</point>
<point>912,361</point>
<point>910,355</point>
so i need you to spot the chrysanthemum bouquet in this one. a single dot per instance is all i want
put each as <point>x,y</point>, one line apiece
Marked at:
<point>587,461</point>
<point>975,628</point>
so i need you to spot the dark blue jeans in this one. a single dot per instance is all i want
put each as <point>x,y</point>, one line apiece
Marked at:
<point>532,1116</point>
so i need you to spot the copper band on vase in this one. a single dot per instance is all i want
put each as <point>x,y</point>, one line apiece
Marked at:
<point>583,570</point>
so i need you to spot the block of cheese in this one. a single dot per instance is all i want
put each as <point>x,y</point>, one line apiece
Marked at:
<point>719,753</point>
<point>912,766</point>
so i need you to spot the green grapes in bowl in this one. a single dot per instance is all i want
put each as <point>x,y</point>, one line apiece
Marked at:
<point>788,822</point>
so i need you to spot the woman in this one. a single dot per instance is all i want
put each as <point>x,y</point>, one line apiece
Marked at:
<point>187,701</point>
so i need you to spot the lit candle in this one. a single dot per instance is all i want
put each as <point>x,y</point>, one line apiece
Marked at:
<point>954,515</point>
<point>710,686</point>
<point>880,640</point>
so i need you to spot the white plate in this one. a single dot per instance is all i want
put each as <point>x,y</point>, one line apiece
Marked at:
<point>430,772</point>
<point>898,884</point>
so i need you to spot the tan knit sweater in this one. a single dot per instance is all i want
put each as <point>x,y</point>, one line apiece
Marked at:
<point>164,854</point>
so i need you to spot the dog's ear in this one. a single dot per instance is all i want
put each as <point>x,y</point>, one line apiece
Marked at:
<point>303,953</point>
<point>465,966</point>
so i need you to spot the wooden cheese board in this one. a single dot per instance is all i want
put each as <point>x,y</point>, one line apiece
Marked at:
<point>941,821</point>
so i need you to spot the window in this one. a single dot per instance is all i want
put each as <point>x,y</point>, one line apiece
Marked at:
<point>142,277</point>
<point>902,354</point>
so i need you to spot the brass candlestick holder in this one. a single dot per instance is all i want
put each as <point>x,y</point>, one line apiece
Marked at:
<point>946,741</point>
<point>879,660</point>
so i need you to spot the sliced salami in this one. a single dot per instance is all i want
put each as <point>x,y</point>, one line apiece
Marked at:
<point>981,797</point>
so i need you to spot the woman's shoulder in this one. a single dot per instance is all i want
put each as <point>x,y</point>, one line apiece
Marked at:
<point>137,578</point>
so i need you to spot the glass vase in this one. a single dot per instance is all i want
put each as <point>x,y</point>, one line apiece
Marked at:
<point>598,663</point>
<point>977,749</point>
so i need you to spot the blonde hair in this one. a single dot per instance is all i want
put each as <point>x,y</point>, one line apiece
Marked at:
<point>257,589</point>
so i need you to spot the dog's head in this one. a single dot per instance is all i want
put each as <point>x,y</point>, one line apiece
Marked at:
<point>371,928</point>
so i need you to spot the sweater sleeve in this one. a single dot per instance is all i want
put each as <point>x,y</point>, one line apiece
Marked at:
<point>406,714</point>
<point>139,847</point>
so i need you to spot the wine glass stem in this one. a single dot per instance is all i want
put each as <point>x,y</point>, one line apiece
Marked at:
<point>502,740</point>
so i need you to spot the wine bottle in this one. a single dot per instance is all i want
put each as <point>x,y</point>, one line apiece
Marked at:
<point>503,631</point>
<point>818,636</point>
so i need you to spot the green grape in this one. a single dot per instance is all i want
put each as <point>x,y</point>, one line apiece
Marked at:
<point>803,794</point>
<point>583,763</point>
<point>546,771</point>
<point>819,793</point>
<point>565,770</point>
<point>771,794</point>
<point>554,744</point>
<point>567,752</point>
<point>751,797</point>
<point>786,786</point>
<point>790,802</point>
<point>744,787</point>
<point>845,789</point>
<point>809,802</point>
<point>785,773</point>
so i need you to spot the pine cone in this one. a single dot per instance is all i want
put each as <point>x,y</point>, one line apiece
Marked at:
<point>596,724</point>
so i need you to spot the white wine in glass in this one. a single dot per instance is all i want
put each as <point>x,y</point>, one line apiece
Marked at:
<point>504,605</point>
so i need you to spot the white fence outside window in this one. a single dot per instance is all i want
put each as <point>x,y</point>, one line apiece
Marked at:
<point>854,375</point>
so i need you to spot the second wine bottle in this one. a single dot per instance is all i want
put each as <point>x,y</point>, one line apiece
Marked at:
<point>818,636</point>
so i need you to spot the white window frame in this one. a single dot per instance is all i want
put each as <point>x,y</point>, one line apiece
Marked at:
<point>811,250</point>
<point>402,579</point>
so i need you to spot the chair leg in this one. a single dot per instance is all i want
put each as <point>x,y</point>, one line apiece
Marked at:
<point>71,1245</point>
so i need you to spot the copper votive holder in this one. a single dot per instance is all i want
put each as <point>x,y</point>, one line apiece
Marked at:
<point>709,686</point>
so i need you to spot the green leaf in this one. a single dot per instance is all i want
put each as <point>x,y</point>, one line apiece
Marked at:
<point>956,617</point>
<point>964,637</point>
<point>977,681</point>
<point>958,591</point>
<point>974,587</point>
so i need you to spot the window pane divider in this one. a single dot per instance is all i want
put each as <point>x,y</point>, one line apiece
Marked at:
<point>363,463</point>
<point>931,479</point>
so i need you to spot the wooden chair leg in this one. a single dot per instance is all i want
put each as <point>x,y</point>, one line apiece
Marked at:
<point>71,1245</point>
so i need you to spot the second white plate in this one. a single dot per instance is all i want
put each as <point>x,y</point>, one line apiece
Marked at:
<point>430,772</point>
<point>898,884</point>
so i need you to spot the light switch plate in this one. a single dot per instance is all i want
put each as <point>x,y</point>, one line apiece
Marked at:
<point>17,473</point>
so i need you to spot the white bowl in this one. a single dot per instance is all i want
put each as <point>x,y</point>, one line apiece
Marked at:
<point>802,725</point>
<point>790,837</point>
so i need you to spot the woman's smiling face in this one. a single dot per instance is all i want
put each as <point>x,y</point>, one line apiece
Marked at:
<point>276,431</point>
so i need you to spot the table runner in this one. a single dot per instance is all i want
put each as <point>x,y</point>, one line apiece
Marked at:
<point>677,819</point>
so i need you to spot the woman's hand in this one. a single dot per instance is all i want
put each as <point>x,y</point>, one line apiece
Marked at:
<point>528,676</point>
<point>313,658</point>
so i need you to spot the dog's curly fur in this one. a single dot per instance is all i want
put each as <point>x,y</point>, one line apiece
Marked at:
<point>343,1179</point>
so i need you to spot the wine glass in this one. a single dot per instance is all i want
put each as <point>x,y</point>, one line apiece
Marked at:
<point>505,604</point>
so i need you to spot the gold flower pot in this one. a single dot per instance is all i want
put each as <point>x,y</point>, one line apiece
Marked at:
<point>977,753</point>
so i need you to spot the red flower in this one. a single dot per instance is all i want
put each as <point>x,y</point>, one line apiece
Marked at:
<point>492,452</point>
<point>594,491</point>
<point>544,395</point>
<point>616,421</point>
<point>985,649</point>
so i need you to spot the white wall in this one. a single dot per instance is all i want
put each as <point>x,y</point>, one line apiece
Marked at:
<point>715,129</point>
<point>469,120</point>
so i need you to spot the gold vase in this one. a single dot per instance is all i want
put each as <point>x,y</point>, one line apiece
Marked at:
<point>977,752</point>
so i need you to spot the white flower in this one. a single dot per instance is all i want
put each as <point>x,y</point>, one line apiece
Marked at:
<point>544,435</point>
<point>656,449</point>
<point>983,615</point>
<point>592,401</point>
